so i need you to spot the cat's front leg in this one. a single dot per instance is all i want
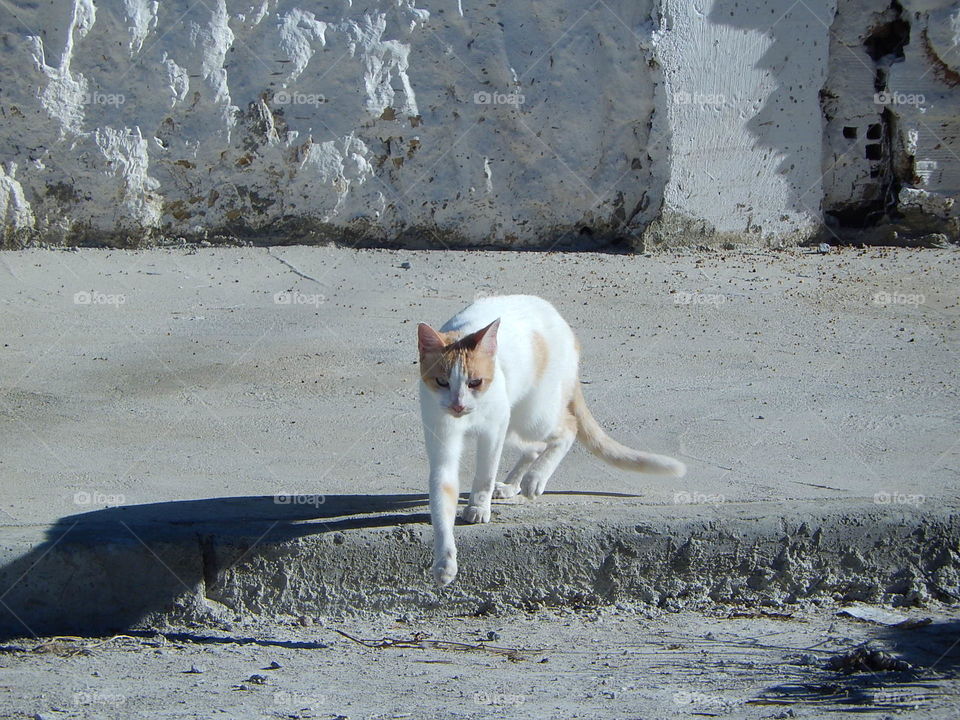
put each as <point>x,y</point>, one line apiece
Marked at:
<point>444,453</point>
<point>489,450</point>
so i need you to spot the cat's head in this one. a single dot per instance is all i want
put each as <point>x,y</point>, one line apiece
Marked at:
<point>457,369</point>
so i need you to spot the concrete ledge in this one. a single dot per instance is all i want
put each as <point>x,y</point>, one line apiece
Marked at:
<point>175,562</point>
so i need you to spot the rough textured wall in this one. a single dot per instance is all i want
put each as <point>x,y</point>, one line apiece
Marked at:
<point>438,123</point>
<point>892,151</point>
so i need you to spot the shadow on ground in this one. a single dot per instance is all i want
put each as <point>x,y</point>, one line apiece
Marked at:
<point>932,652</point>
<point>111,569</point>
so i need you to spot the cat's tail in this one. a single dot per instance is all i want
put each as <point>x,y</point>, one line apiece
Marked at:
<point>609,450</point>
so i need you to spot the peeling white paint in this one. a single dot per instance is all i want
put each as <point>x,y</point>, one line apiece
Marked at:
<point>15,211</point>
<point>660,119</point>
<point>178,81</point>
<point>299,30</point>
<point>142,15</point>
<point>928,202</point>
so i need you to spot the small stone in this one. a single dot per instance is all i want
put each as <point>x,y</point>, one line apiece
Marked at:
<point>257,679</point>
<point>824,248</point>
<point>405,265</point>
<point>493,636</point>
<point>273,666</point>
<point>196,669</point>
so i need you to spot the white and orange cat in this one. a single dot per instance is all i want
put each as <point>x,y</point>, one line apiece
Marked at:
<point>505,369</point>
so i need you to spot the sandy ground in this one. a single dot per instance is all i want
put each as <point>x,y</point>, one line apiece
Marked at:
<point>214,372</point>
<point>616,663</point>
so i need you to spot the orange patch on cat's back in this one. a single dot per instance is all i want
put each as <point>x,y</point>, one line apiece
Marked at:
<point>541,354</point>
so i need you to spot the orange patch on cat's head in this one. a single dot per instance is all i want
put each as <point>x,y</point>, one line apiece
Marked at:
<point>441,352</point>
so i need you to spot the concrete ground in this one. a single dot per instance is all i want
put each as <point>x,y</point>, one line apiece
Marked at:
<point>613,663</point>
<point>776,376</point>
<point>220,435</point>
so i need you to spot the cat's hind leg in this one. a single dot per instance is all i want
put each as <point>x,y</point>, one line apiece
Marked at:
<point>529,452</point>
<point>557,446</point>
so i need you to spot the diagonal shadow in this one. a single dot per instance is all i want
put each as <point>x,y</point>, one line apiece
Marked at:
<point>112,569</point>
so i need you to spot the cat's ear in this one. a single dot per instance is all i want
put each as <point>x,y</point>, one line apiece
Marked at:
<point>485,339</point>
<point>429,339</point>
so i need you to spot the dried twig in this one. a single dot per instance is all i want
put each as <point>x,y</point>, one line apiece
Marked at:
<point>419,641</point>
<point>77,650</point>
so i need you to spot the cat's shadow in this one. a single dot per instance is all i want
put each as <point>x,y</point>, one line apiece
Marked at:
<point>288,515</point>
<point>110,569</point>
<point>85,574</point>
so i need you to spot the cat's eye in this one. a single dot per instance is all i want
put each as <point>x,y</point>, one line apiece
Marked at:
<point>475,383</point>
<point>443,383</point>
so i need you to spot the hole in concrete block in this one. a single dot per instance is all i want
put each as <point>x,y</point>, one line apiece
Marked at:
<point>875,131</point>
<point>889,38</point>
<point>874,151</point>
<point>850,132</point>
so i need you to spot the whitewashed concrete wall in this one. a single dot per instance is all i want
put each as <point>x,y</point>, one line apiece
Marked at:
<point>440,123</point>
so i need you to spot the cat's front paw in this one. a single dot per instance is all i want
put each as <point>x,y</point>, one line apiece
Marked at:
<point>445,569</point>
<point>502,491</point>
<point>476,514</point>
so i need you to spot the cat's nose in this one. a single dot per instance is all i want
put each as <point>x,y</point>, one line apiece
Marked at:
<point>457,408</point>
